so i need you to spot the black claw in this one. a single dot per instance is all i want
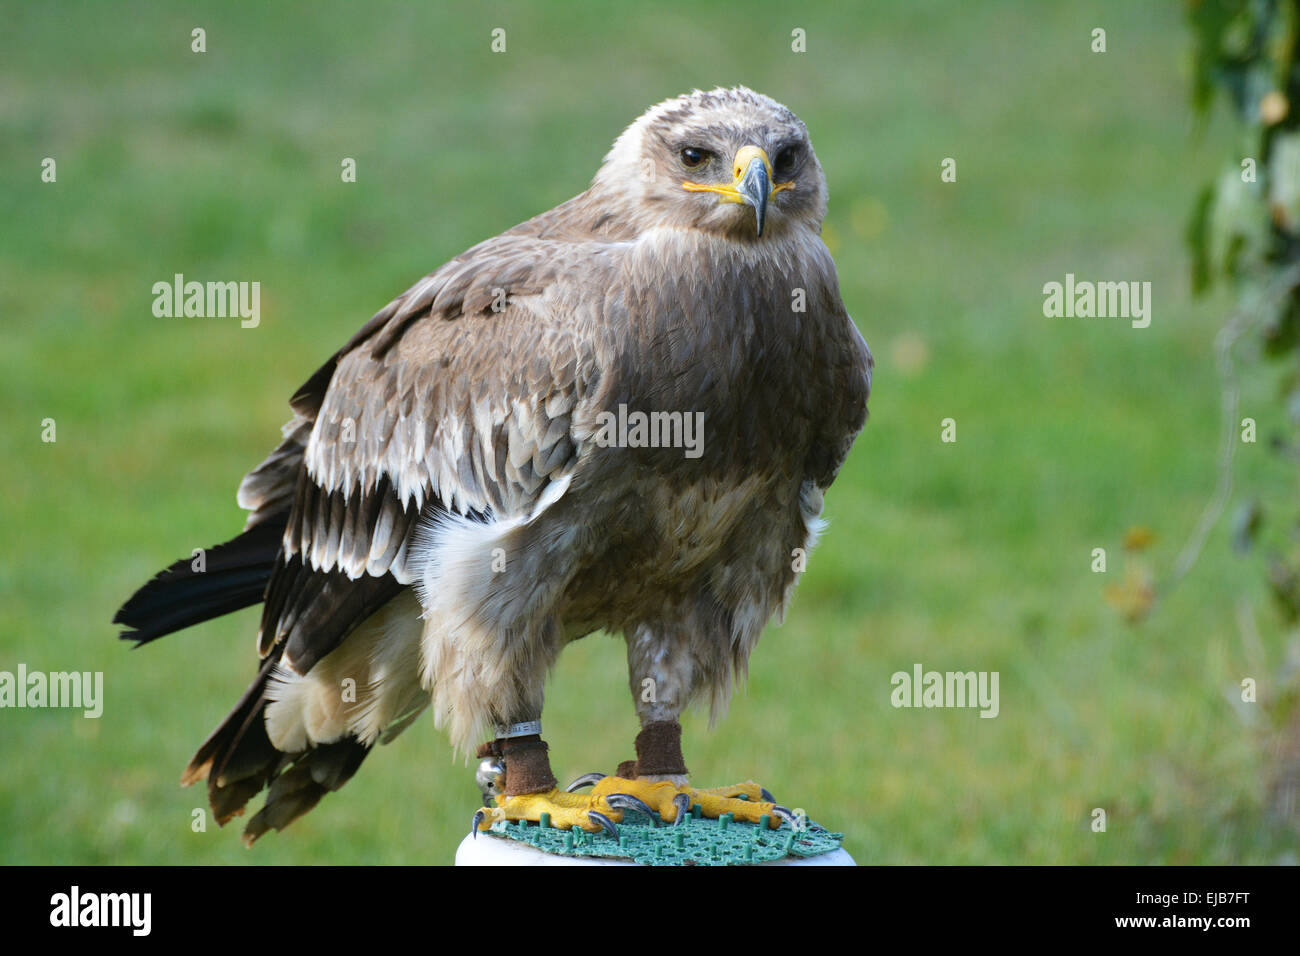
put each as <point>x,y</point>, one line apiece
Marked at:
<point>683,804</point>
<point>479,817</point>
<point>625,801</point>
<point>605,822</point>
<point>786,814</point>
<point>586,780</point>
<point>766,794</point>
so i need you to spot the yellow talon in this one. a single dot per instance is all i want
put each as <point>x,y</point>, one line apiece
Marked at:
<point>565,810</point>
<point>653,793</point>
<point>611,796</point>
<point>743,800</point>
<point>749,790</point>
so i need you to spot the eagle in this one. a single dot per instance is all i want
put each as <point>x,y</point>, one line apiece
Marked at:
<point>620,415</point>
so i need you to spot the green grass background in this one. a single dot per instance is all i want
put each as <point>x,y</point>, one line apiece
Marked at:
<point>973,555</point>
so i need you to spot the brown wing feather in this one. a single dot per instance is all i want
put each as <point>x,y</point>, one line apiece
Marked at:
<point>417,414</point>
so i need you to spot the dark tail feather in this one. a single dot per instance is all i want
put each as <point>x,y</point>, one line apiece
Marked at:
<point>238,760</point>
<point>234,577</point>
<point>319,771</point>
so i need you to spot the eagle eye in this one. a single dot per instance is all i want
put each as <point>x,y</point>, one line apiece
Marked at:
<point>693,156</point>
<point>786,159</point>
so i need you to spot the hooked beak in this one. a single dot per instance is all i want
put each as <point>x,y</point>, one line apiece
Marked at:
<point>751,183</point>
<point>755,187</point>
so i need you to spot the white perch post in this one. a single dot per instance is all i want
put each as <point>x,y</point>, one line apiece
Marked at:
<point>488,850</point>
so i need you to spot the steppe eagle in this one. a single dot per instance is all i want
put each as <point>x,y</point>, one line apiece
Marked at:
<point>620,415</point>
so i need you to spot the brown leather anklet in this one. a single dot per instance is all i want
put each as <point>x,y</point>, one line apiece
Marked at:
<point>528,765</point>
<point>658,750</point>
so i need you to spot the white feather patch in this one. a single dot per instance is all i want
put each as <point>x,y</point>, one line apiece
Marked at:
<point>361,687</point>
<point>811,501</point>
<point>468,661</point>
<point>450,554</point>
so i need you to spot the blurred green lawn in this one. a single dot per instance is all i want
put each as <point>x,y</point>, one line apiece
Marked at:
<point>967,556</point>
